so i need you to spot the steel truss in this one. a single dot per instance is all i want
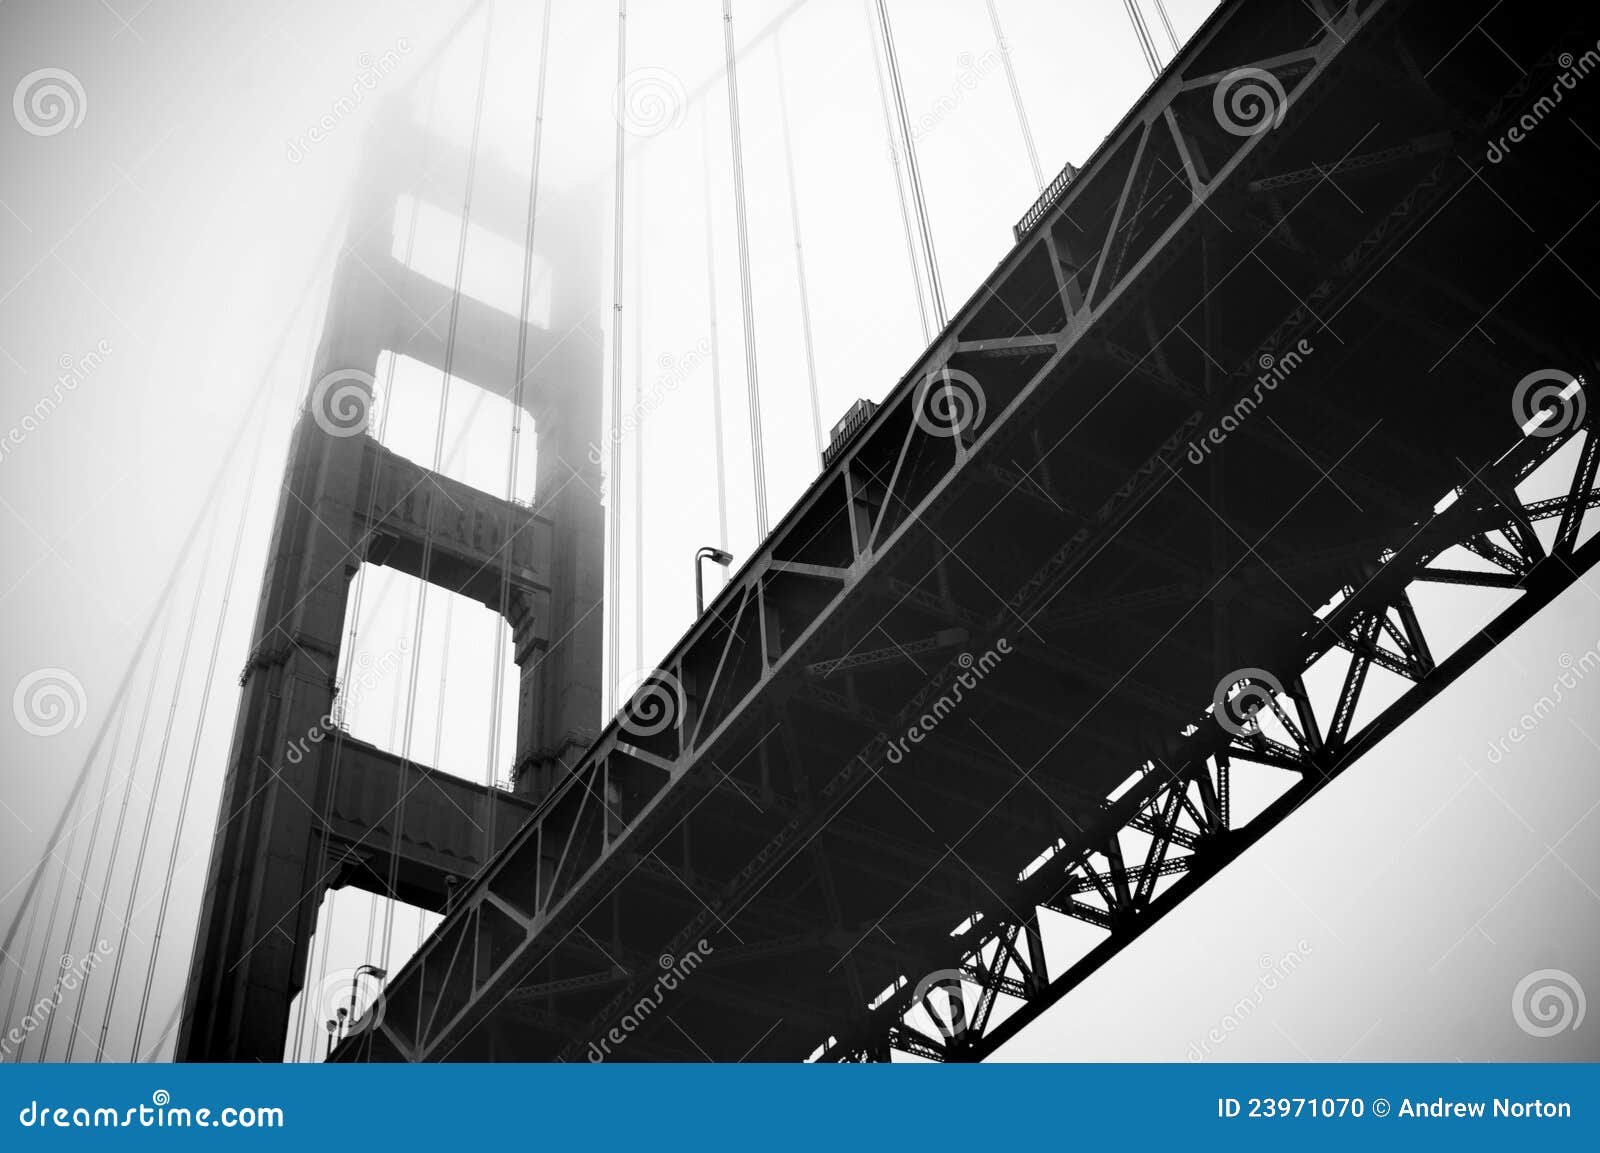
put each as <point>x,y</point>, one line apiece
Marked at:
<point>1152,190</point>
<point>1181,804</point>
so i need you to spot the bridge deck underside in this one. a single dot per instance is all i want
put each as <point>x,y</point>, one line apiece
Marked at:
<point>1400,297</point>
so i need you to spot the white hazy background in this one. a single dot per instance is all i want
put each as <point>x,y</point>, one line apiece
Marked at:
<point>176,229</point>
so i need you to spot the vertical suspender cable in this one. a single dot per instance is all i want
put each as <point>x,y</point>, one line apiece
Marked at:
<point>116,833</point>
<point>638,430</point>
<point>88,859</point>
<point>123,686</point>
<point>61,878</point>
<point>614,474</point>
<point>358,594</point>
<point>1016,94</point>
<point>444,677</point>
<point>514,451</point>
<point>261,434</point>
<point>374,902</point>
<point>324,930</point>
<point>1166,22</point>
<point>908,142</point>
<point>262,392</point>
<point>21,958</point>
<point>166,1031</point>
<point>158,615</point>
<point>50,922</point>
<point>758,461</point>
<point>716,351</point>
<point>799,250</point>
<point>1142,34</point>
<point>37,874</point>
<point>393,880</point>
<point>155,789</point>
<point>194,748</point>
<point>894,160</point>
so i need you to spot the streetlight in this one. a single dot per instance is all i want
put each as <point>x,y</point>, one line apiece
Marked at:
<point>712,554</point>
<point>363,971</point>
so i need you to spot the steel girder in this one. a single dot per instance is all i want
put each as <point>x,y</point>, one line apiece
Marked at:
<point>1180,803</point>
<point>733,671</point>
<point>869,503</point>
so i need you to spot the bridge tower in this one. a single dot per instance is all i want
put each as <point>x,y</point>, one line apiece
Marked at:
<point>291,828</point>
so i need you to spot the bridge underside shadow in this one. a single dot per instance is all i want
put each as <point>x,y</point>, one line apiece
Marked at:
<point>1233,396</point>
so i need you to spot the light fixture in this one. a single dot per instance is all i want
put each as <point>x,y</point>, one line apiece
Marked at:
<point>721,557</point>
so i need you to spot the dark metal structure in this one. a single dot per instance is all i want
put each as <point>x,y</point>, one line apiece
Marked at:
<point>306,807</point>
<point>1248,377</point>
